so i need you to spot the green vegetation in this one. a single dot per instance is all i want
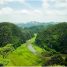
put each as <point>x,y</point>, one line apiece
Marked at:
<point>10,33</point>
<point>54,41</point>
<point>54,37</point>
<point>22,56</point>
<point>39,45</point>
<point>55,60</point>
<point>66,61</point>
<point>38,28</point>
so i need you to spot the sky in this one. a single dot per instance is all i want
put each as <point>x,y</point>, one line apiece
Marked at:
<point>19,11</point>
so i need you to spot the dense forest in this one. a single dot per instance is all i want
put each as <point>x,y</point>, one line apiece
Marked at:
<point>40,44</point>
<point>12,34</point>
<point>35,27</point>
<point>54,37</point>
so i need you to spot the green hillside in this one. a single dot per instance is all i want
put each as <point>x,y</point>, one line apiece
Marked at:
<point>20,47</point>
<point>54,37</point>
<point>23,56</point>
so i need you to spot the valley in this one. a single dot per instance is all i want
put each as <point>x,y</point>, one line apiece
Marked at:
<point>33,46</point>
<point>33,33</point>
<point>25,55</point>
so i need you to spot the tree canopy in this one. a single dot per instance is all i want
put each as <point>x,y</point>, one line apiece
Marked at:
<point>54,37</point>
<point>10,33</point>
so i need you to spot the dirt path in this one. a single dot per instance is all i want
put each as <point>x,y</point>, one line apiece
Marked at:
<point>30,47</point>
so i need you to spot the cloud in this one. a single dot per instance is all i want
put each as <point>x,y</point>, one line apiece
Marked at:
<point>55,7</point>
<point>2,2</point>
<point>13,15</point>
<point>24,11</point>
<point>6,10</point>
<point>51,10</point>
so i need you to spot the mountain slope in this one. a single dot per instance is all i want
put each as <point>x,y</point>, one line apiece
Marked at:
<point>33,23</point>
<point>55,38</point>
<point>23,56</point>
<point>10,33</point>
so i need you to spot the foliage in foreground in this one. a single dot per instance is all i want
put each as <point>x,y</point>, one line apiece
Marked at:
<point>21,56</point>
<point>55,60</point>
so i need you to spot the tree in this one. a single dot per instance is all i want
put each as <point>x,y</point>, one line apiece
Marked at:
<point>54,37</point>
<point>12,34</point>
<point>66,61</point>
<point>57,59</point>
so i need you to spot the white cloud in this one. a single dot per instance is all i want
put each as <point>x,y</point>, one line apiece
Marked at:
<point>6,10</point>
<point>7,1</point>
<point>19,15</point>
<point>55,7</point>
<point>45,4</point>
<point>49,12</point>
<point>24,11</point>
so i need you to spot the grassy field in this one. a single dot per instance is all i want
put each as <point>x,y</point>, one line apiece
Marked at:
<point>22,56</point>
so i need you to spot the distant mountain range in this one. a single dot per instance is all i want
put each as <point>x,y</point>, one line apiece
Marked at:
<point>33,23</point>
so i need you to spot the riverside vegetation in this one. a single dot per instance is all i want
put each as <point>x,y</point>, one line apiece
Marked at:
<point>33,46</point>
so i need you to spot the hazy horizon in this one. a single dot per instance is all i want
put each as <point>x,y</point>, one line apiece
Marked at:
<point>31,22</point>
<point>23,11</point>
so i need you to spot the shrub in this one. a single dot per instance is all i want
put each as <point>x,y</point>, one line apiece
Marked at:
<point>57,59</point>
<point>66,61</point>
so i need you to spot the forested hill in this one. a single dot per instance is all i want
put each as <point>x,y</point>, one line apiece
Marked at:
<point>41,45</point>
<point>12,34</point>
<point>35,26</point>
<point>54,37</point>
<point>15,49</point>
